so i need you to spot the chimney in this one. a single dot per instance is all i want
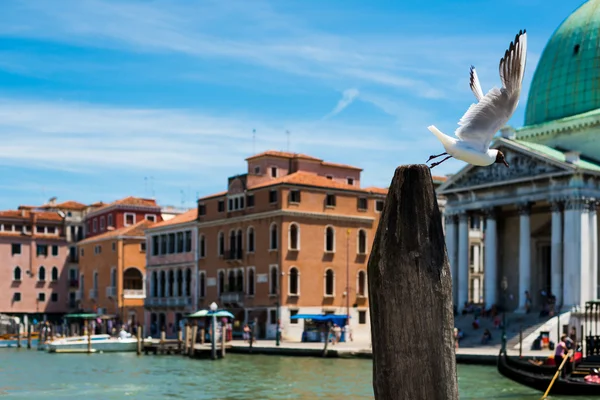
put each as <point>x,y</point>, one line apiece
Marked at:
<point>52,201</point>
<point>508,132</point>
<point>572,157</point>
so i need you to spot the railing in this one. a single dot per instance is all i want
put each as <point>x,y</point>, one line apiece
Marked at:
<point>74,283</point>
<point>233,254</point>
<point>93,294</point>
<point>168,301</point>
<point>152,301</point>
<point>134,293</point>
<point>232,297</point>
<point>111,291</point>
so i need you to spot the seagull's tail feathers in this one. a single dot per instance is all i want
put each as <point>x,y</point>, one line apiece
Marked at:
<point>442,137</point>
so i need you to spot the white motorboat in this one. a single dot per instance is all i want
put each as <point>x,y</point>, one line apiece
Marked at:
<point>99,343</point>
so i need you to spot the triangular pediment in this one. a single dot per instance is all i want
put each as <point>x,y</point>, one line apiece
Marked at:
<point>525,164</point>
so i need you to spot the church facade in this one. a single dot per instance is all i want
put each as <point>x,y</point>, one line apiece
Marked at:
<point>540,215</point>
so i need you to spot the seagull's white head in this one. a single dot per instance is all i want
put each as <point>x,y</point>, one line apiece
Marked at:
<point>500,158</point>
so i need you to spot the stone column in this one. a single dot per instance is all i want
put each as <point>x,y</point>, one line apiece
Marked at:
<point>491,259</point>
<point>524,253</point>
<point>593,243</point>
<point>463,260</point>
<point>576,253</point>
<point>452,248</point>
<point>557,253</point>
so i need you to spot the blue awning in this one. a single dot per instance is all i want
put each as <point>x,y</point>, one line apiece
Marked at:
<point>338,319</point>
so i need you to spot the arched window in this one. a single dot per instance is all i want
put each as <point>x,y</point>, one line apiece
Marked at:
<point>221,282</point>
<point>188,282</point>
<point>362,284</point>
<point>294,282</point>
<point>163,284</point>
<point>273,237</point>
<point>221,249</point>
<point>362,241</point>
<point>329,239</point>
<point>238,244</point>
<point>251,282</point>
<point>54,274</point>
<point>231,281</point>
<point>42,274</point>
<point>179,282</point>
<point>250,240</point>
<point>202,246</point>
<point>133,279</point>
<point>202,285</point>
<point>273,280</point>
<point>329,283</point>
<point>232,243</point>
<point>239,281</point>
<point>17,274</point>
<point>154,284</point>
<point>294,237</point>
<point>171,283</point>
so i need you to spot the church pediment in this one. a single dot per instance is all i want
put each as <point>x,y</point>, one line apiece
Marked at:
<point>524,164</point>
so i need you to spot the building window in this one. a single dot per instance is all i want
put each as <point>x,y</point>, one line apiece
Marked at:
<point>294,196</point>
<point>54,297</point>
<point>114,246</point>
<point>221,244</point>
<point>102,223</point>
<point>155,245</point>
<point>273,237</point>
<point>250,200</point>
<point>350,181</point>
<point>179,242</point>
<point>294,282</point>
<point>330,177</point>
<point>98,249</point>
<point>188,241</point>
<point>95,225</point>
<point>273,172</point>
<point>82,253</point>
<point>40,229</point>
<point>16,249</point>
<point>151,217</point>
<point>42,274</point>
<point>362,317</point>
<point>42,250</point>
<point>17,297</point>
<point>163,244</point>
<point>17,274</point>
<point>362,284</point>
<point>221,206</point>
<point>110,220</point>
<point>293,313</point>
<point>239,281</point>
<point>54,274</point>
<point>41,297</point>
<point>273,196</point>
<point>329,239</point>
<point>221,282</point>
<point>257,170</point>
<point>54,250</point>
<point>251,281</point>
<point>330,200</point>
<point>202,247</point>
<point>129,219</point>
<point>51,230</point>
<point>171,243</point>
<point>379,205</point>
<point>201,209</point>
<point>363,203</point>
<point>202,284</point>
<point>273,280</point>
<point>329,282</point>
<point>294,237</point>
<point>143,247</point>
<point>362,241</point>
<point>273,317</point>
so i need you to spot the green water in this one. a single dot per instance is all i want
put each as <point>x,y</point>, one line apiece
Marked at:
<point>30,374</point>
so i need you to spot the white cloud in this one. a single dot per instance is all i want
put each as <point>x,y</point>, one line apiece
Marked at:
<point>348,96</point>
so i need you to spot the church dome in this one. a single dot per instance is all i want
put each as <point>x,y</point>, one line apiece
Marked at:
<point>567,79</point>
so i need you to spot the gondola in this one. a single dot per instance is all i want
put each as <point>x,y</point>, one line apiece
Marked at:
<point>540,381</point>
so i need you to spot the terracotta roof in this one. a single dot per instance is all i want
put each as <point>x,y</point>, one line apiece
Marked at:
<point>133,230</point>
<point>375,189</point>
<point>338,165</point>
<point>282,154</point>
<point>71,205</point>
<point>187,216</point>
<point>127,201</point>
<point>25,214</point>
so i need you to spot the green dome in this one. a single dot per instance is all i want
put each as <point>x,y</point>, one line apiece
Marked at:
<point>567,79</point>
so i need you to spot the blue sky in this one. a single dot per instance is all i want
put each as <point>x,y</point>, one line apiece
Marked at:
<point>104,99</point>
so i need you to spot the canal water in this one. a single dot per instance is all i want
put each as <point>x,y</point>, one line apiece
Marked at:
<point>31,374</point>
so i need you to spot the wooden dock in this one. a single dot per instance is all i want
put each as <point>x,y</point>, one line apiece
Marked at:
<point>175,346</point>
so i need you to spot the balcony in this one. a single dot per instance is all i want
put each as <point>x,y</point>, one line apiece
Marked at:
<point>168,301</point>
<point>233,255</point>
<point>73,283</point>
<point>111,292</point>
<point>232,297</point>
<point>93,294</point>
<point>152,301</point>
<point>134,293</point>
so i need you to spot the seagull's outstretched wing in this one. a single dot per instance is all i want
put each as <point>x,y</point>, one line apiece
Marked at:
<point>474,83</point>
<point>482,120</point>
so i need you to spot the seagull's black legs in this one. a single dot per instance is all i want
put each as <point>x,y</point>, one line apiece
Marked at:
<point>438,163</point>
<point>432,157</point>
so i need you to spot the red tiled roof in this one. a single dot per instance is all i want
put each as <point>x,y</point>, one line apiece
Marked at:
<point>71,205</point>
<point>338,165</point>
<point>127,201</point>
<point>25,214</point>
<point>282,154</point>
<point>187,216</point>
<point>133,230</point>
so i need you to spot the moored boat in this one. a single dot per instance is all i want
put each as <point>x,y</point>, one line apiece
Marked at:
<point>99,343</point>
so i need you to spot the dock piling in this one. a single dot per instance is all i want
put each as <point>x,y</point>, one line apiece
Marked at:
<point>186,343</point>
<point>19,336</point>
<point>28,336</point>
<point>410,290</point>
<point>89,337</point>
<point>179,340</point>
<point>223,337</point>
<point>139,340</point>
<point>193,339</point>
<point>163,338</point>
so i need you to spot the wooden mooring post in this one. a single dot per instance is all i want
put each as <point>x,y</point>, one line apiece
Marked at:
<point>179,340</point>
<point>186,344</point>
<point>28,336</point>
<point>193,338</point>
<point>139,340</point>
<point>19,335</point>
<point>223,337</point>
<point>88,327</point>
<point>410,293</point>
<point>163,337</point>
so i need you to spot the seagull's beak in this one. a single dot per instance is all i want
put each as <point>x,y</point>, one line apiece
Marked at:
<point>505,163</point>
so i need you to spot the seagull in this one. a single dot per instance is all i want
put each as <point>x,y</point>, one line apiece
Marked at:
<point>483,119</point>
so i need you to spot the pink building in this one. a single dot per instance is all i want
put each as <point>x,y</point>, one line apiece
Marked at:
<point>33,264</point>
<point>171,272</point>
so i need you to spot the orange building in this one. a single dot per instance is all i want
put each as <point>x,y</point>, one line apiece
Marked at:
<point>290,236</point>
